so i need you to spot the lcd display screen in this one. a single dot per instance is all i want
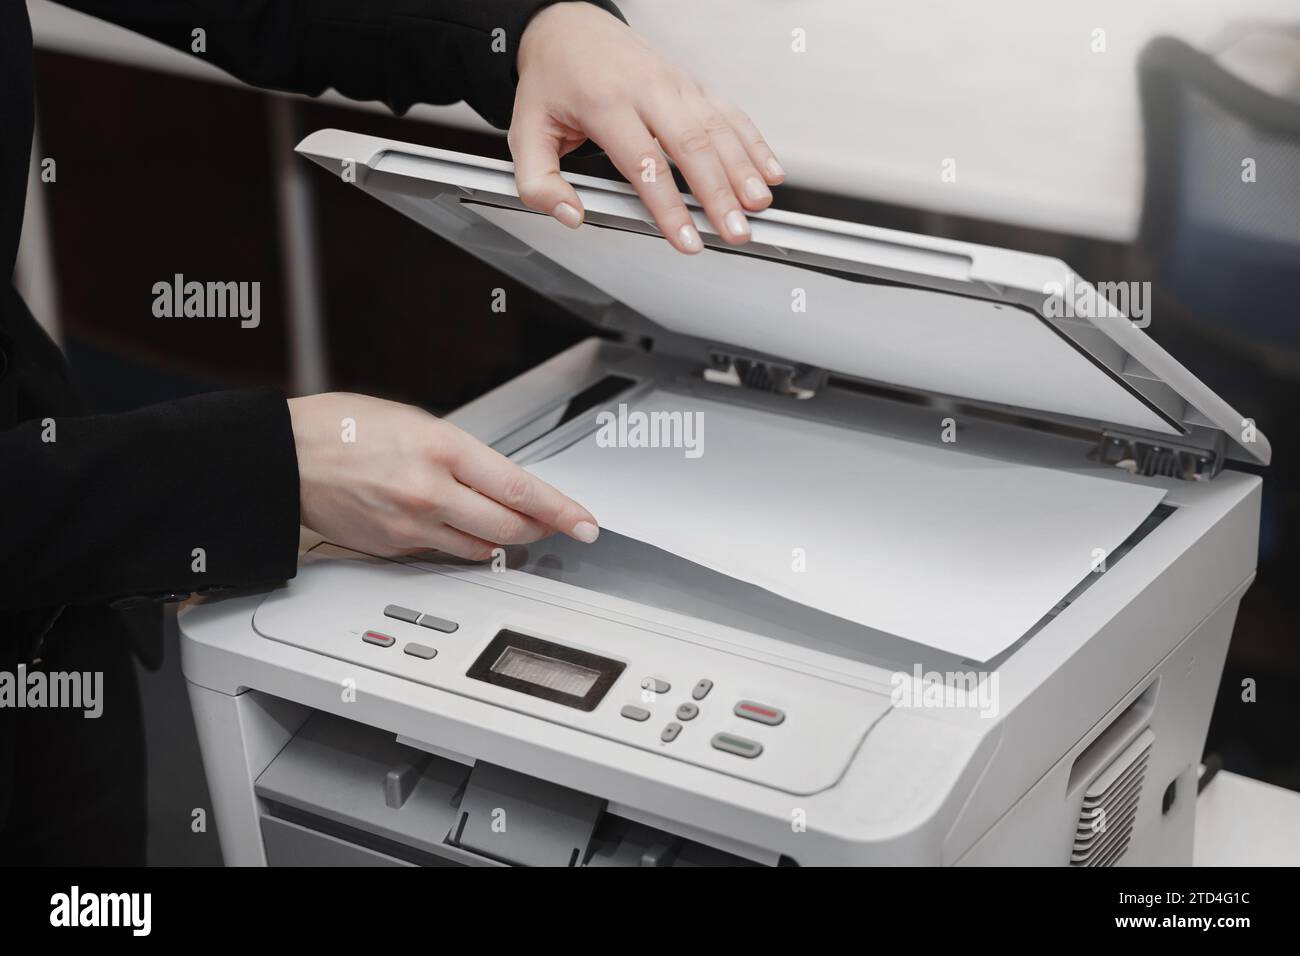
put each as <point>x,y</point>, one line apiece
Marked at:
<point>546,672</point>
<point>551,671</point>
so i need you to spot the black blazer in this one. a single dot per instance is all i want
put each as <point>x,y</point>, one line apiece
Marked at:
<point>106,509</point>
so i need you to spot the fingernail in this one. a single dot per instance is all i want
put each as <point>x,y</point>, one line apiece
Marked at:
<point>690,238</point>
<point>568,215</point>
<point>756,190</point>
<point>736,222</point>
<point>586,532</point>
<point>774,168</point>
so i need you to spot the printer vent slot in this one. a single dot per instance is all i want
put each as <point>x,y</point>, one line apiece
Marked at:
<point>1108,813</point>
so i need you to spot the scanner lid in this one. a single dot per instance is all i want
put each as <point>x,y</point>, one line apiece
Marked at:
<point>1006,331</point>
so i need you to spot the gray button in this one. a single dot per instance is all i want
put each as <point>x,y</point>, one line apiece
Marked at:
<point>740,746</point>
<point>687,711</point>
<point>702,689</point>
<point>670,732</point>
<point>656,685</point>
<point>400,613</point>
<point>421,651</point>
<point>437,624</point>
<point>633,712</point>
<point>374,637</point>
<point>760,712</point>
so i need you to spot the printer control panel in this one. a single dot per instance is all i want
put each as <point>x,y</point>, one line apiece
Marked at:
<point>702,702</point>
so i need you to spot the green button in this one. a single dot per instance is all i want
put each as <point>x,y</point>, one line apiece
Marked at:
<point>740,746</point>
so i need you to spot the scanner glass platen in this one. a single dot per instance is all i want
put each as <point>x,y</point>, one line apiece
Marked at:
<point>959,552</point>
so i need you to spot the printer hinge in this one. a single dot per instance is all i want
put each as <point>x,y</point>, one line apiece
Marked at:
<point>795,381</point>
<point>1147,456</point>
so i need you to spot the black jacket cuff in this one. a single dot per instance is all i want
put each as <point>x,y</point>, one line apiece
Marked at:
<point>190,495</point>
<point>476,52</point>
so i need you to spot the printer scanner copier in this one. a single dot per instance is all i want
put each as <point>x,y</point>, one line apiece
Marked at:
<point>486,723</point>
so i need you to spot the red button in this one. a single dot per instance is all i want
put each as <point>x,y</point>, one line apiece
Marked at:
<point>759,712</point>
<point>374,637</point>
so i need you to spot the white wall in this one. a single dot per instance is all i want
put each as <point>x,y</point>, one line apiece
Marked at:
<point>1044,131</point>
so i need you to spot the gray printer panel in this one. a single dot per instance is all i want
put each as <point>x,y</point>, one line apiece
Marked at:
<point>717,708</point>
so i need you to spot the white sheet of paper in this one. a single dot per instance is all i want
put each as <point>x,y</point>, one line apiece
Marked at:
<point>952,550</point>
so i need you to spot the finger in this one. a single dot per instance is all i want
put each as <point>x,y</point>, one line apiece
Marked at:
<point>686,140</point>
<point>536,152</point>
<point>759,152</point>
<point>480,516</point>
<point>633,151</point>
<point>454,541</point>
<point>746,181</point>
<point>496,476</point>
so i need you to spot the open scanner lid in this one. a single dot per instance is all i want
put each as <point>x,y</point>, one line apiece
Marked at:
<point>976,324</point>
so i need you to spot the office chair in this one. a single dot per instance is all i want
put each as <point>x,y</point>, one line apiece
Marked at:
<point>1225,250</point>
<point>1223,253</point>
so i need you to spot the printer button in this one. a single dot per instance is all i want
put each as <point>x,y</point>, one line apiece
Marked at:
<point>702,688</point>
<point>759,712</point>
<point>656,685</point>
<point>438,624</point>
<point>382,640</point>
<point>633,712</point>
<point>688,711</point>
<point>399,613</point>
<point>422,651</point>
<point>740,746</point>
<point>669,733</point>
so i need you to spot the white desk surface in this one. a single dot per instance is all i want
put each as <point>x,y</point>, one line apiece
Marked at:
<point>1242,822</point>
<point>1044,131</point>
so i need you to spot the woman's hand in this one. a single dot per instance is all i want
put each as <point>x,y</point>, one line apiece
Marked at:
<point>584,75</point>
<point>390,479</point>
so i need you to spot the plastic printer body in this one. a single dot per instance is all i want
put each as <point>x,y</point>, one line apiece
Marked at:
<point>420,711</point>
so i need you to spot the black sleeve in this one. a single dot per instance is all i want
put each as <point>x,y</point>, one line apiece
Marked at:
<point>399,52</point>
<point>178,497</point>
